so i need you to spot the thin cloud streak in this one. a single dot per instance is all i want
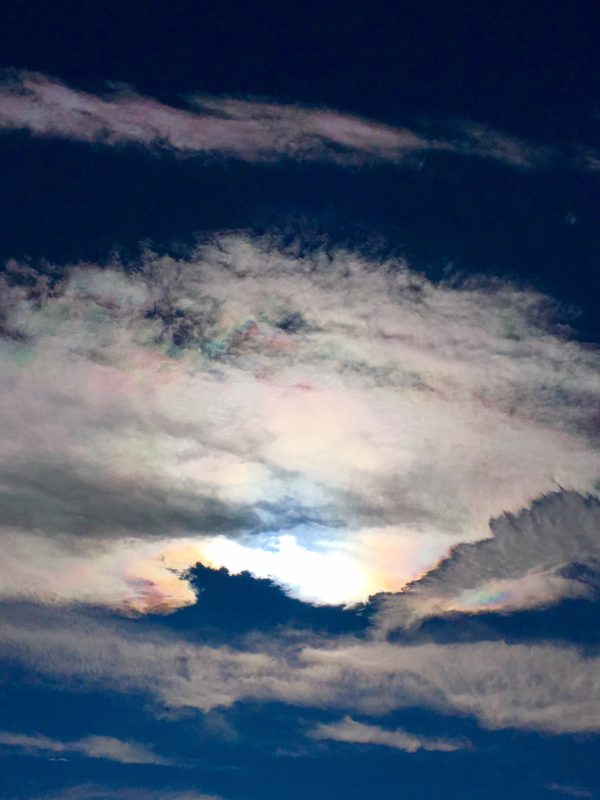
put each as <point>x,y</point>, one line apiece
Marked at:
<point>350,731</point>
<point>250,130</point>
<point>568,790</point>
<point>105,747</point>
<point>91,791</point>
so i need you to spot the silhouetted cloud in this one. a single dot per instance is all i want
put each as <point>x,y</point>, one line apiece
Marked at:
<point>522,566</point>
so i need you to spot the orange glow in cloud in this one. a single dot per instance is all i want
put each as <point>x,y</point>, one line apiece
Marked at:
<point>333,572</point>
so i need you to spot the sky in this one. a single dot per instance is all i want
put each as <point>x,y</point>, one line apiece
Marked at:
<point>299,475</point>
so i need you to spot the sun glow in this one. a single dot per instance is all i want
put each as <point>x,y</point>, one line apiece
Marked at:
<point>312,568</point>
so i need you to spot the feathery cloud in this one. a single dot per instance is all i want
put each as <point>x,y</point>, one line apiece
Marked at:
<point>570,791</point>
<point>543,687</point>
<point>106,747</point>
<point>350,731</point>
<point>331,421</point>
<point>524,565</point>
<point>251,130</point>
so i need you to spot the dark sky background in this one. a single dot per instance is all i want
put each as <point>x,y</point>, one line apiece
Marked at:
<point>532,70</point>
<point>528,69</point>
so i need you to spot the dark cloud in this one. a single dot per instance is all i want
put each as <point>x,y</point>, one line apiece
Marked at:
<point>533,558</point>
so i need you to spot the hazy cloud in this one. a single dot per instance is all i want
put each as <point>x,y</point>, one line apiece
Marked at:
<point>90,791</point>
<point>350,731</point>
<point>248,129</point>
<point>331,421</point>
<point>106,747</point>
<point>570,791</point>
<point>543,687</point>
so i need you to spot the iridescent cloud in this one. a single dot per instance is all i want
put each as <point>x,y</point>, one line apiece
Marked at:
<point>250,129</point>
<point>331,421</point>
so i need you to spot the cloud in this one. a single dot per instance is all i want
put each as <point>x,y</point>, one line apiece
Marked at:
<point>251,130</point>
<point>350,731</point>
<point>570,791</point>
<point>524,565</point>
<point>541,687</point>
<point>90,791</point>
<point>331,421</point>
<point>246,129</point>
<point>106,747</point>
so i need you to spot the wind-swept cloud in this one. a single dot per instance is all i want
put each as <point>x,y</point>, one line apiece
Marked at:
<point>543,687</point>
<point>251,130</point>
<point>351,731</point>
<point>524,565</point>
<point>106,747</point>
<point>569,791</point>
<point>331,421</point>
<point>246,129</point>
<point>90,791</point>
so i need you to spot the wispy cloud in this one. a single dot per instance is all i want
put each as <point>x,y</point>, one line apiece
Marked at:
<point>523,565</point>
<point>246,129</point>
<point>251,130</point>
<point>542,687</point>
<point>91,791</point>
<point>569,791</point>
<point>350,731</point>
<point>332,421</point>
<point>106,747</point>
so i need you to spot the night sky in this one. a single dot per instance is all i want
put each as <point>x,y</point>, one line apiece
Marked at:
<point>299,474</point>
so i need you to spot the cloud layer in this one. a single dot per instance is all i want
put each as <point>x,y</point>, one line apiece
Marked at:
<point>331,421</point>
<point>543,687</point>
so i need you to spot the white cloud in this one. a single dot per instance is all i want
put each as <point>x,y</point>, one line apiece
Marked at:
<point>251,130</point>
<point>327,420</point>
<point>352,732</point>
<point>106,747</point>
<point>247,129</point>
<point>543,687</point>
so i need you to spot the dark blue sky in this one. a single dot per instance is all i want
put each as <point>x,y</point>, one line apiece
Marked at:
<point>473,396</point>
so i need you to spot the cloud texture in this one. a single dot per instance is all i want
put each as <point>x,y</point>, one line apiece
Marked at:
<point>531,560</point>
<point>543,687</point>
<point>332,421</point>
<point>350,731</point>
<point>106,747</point>
<point>248,129</point>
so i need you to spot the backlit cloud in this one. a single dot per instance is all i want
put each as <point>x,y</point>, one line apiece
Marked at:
<point>524,565</point>
<point>331,421</point>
